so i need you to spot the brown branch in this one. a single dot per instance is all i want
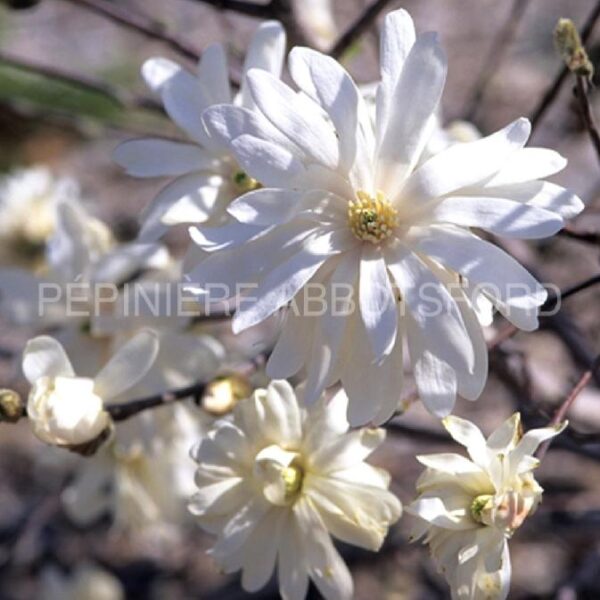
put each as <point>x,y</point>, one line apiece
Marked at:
<point>495,56</point>
<point>120,97</point>
<point>151,29</point>
<point>563,409</point>
<point>250,9</point>
<point>509,329</point>
<point>585,109</point>
<point>125,410</point>
<point>586,237</point>
<point>358,27</point>
<point>554,88</point>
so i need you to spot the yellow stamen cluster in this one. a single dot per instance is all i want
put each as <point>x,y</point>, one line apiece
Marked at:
<point>371,219</point>
<point>292,479</point>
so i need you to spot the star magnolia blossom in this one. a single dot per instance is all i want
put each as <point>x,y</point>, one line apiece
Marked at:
<point>207,175</point>
<point>66,410</point>
<point>277,480</point>
<point>346,202</point>
<point>468,509</point>
<point>25,193</point>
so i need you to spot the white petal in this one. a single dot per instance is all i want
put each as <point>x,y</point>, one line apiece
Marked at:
<point>434,511</point>
<point>499,216</point>
<point>295,118</point>
<point>128,365</point>
<point>527,164</point>
<point>213,74</point>
<point>270,164</point>
<point>265,206</point>
<point>157,71</point>
<point>266,51</point>
<point>446,171</point>
<point>468,435</point>
<point>517,294</point>
<point>397,39</point>
<point>377,302</point>
<point>290,351</point>
<point>415,98</point>
<point>155,157</point>
<point>292,567</point>
<point>45,357</point>
<point>277,288</point>
<point>195,193</point>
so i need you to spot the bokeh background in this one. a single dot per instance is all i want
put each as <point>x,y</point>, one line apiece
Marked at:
<point>73,131</point>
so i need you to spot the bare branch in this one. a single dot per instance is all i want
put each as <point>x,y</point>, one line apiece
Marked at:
<point>358,27</point>
<point>587,237</point>
<point>554,88</point>
<point>250,9</point>
<point>125,410</point>
<point>151,29</point>
<point>496,55</point>
<point>585,109</point>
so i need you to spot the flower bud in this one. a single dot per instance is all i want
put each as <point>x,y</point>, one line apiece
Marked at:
<point>11,406</point>
<point>223,393</point>
<point>65,411</point>
<point>568,43</point>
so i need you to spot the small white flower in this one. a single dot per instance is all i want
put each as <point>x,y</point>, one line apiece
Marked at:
<point>66,410</point>
<point>277,480</point>
<point>348,204</point>
<point>143,476</point>
<point>28,203</point>
<point>468,509</point>
<point>207,177</point>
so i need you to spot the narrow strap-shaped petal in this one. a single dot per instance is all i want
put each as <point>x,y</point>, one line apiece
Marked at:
<point>45,357</point>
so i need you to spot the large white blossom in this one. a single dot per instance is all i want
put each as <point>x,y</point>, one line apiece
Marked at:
<point>207,177</point>
<point>28,202</point>
<point>67,410</point>
<point>468,508</point>
<point>277,480</point>
<point>347,202</point>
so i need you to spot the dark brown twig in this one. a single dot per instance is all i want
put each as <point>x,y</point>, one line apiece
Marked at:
<point>358,27</point>
<point>151,29</point>
<point>587,237</point>
<point>250,9</point>
<point>563,409</point>
<point>495,56</point>
<point>585,109</point>
<point>125,410</point>
<point>554,88</point>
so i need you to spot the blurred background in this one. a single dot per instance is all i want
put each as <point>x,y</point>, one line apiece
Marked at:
<point>72,127</point>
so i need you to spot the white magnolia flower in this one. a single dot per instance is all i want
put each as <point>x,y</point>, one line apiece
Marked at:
<point>207,177</point>
<point>468,509</point>
<point>82,256</point>
<point>86,582</point>
<point>276,481</point>
<point>346,204</point>
<point>28,202</point>
<point>143,476</point>
<point>66,410</point>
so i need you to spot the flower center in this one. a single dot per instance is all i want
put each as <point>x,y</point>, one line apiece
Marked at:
<point>244,182</point>
<point>371,219</point>
<point>280,474</point>
<point>505,511</point>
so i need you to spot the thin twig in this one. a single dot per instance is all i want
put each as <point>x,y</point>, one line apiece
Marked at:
<point>151,29</point>
<point>554,88</point>
<point>358,27</point>
<point>496,55</point>
<point>509,330</point>
<point>587,237</point>
<point>125,410</point>
<point>120,97</point>
<point>250,9</point>
<point>585,109</point>
<point>563,409</point>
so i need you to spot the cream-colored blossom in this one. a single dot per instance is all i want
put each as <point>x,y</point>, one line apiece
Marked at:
<point>468,508</point>
<point>28,203</point>
<point>277,481</point>
<point>66,410</point>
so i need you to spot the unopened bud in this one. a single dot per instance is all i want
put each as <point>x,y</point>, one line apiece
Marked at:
<point>568,43</point>
<point>12,407</point>
<point>223,393</point>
